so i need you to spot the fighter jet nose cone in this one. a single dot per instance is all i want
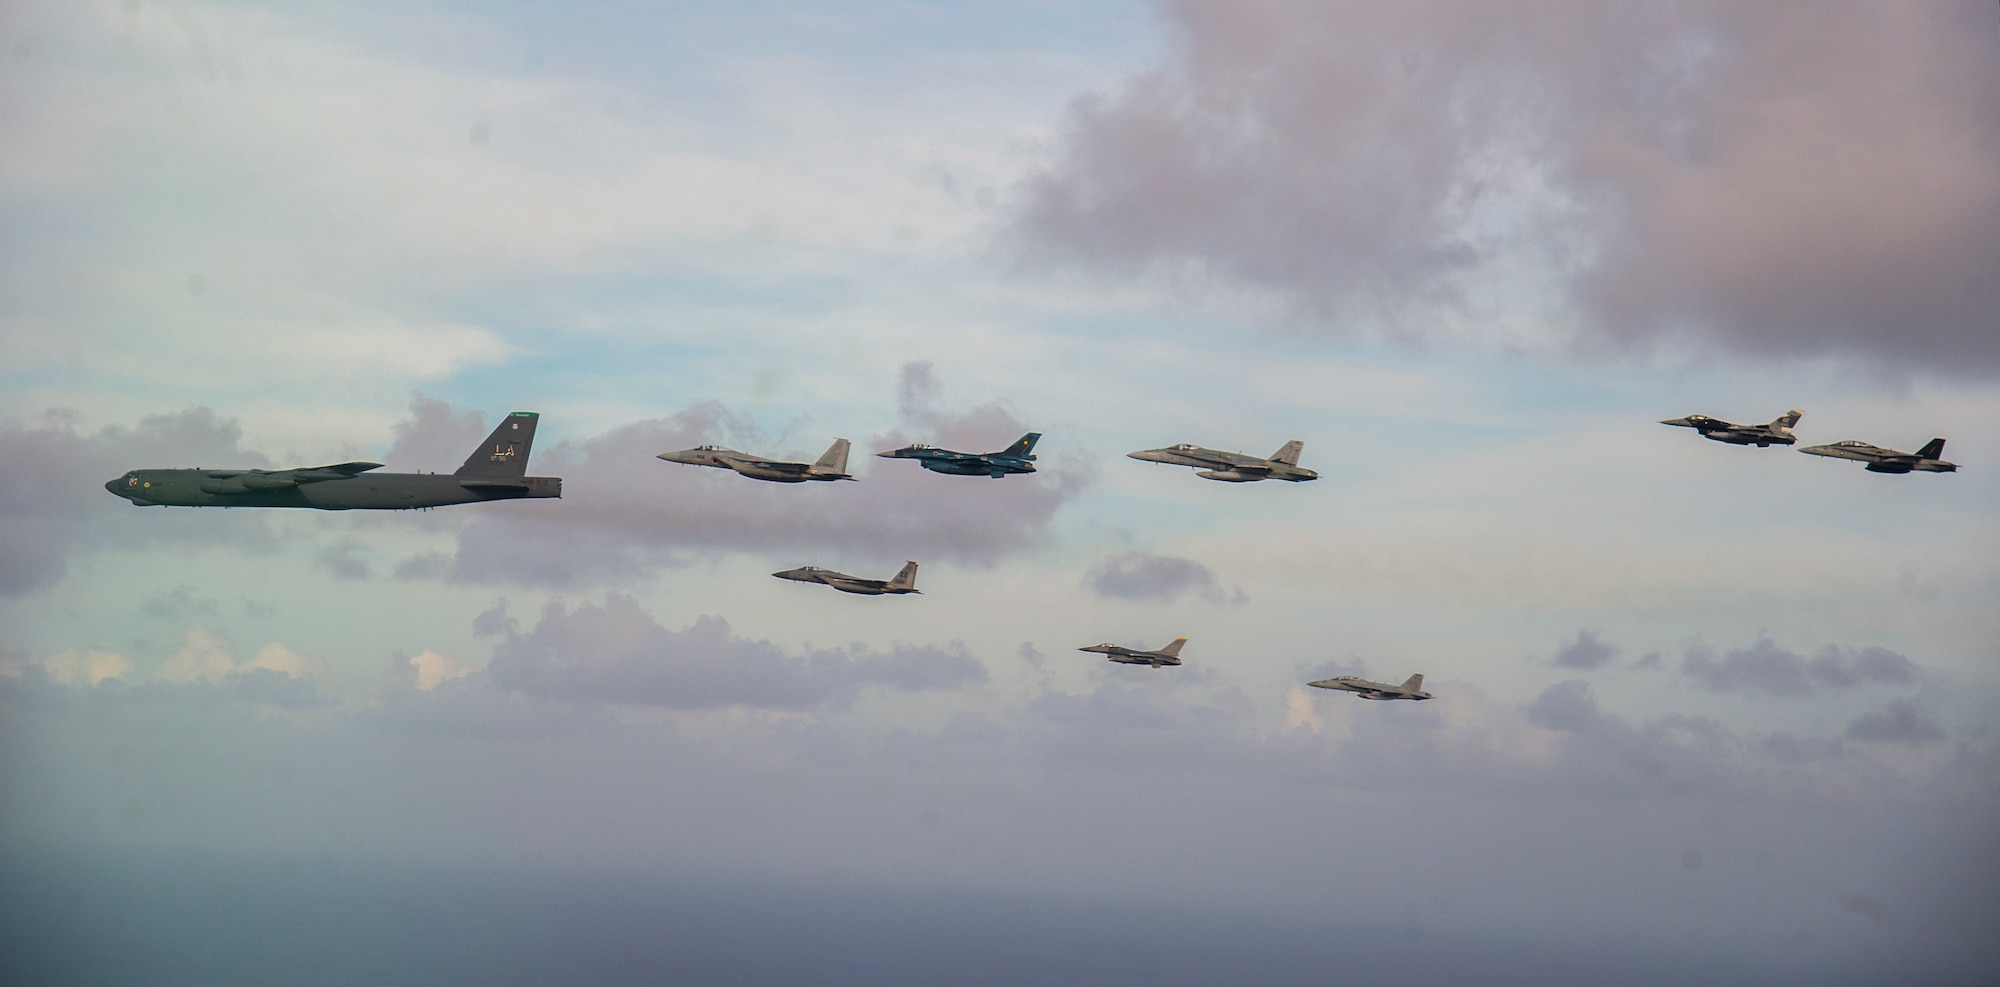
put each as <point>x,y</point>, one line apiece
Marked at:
<point>891,454</point>
<point>111,486</point>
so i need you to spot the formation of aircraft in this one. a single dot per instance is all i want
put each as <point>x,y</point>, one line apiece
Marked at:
<point>1412,687</point>
<point>497,470</point>
<point>831,465</point>
<point>1233,467</point>
<point>1882,460</point>
<point>1168,655</point>
<point>902,582</point>
<point>1017,458</point>
<point>1778,433</point>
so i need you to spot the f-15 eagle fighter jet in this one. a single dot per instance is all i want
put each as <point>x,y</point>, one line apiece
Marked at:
<point>902,582</point>
<point>832,464</point>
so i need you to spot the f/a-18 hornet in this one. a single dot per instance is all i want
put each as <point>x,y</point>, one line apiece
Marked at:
<point>497,470</point>
<point>1017,458</point>
<point>1778,433</point>
<point>1882,460</point>
<point>832,464</point>
<point>1233,467</point>
<point>1169,655</point>
<point>1412,687</point>
<point>903,582</point>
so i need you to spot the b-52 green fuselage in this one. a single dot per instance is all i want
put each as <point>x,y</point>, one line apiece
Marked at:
<point>495,471</point>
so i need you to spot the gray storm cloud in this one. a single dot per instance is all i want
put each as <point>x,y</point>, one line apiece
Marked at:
<point>1586,652</point>
<point>1151,578</point>
<point>615,653</point>
<point>1784,180</point>
<point>1766,667</point>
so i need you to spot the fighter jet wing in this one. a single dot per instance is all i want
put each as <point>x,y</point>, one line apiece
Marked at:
<point>344,469</point>
<point>781,467</point>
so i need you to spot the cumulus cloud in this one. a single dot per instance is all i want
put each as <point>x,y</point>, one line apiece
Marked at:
<point>1151,578</point>
<point>625,513</point>
<point>87,667</point>
<point>1896,722</point>
<point>52,502</point>
<point>1766,667</point>
<point>274,675</point>
<point>615,652</point>
<point>1783,180</point>
<point>1586,652</point>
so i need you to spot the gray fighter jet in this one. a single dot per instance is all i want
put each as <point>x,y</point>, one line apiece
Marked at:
<point>1882,460</point>
<point>1233,467</point>
<point>1017,458</point>
<point>903,582</point>
<point>497,470</point>
<point>832,464</point>
<point>1412,687</point>
<point>1778,433</point>
<point>1169,655</point>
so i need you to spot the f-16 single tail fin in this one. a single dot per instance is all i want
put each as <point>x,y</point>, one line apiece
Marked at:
<point>1934,449</point>
<point>906,579</point>
<point>1289,455</point>
<point>1414,683</point>
<point>834,459</point>
<point>1788,419</point>
<point>1023,447</point>
<point>505,452</point>
<point>1174,650</point>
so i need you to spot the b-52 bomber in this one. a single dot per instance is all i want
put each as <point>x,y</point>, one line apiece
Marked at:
<point>1412,687</point>
<point>1882,460</point>
<point>1169,655</point>
<point>495,471</point>
<point>903,582</point>
<point>1233,467</point>
<point>832,464</point>
<point>1778,433</point>
<point>1017,458</point>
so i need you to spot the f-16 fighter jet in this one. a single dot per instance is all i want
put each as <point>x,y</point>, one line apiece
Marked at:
<point>832,464</point>
<point>1233,467</point>
<point>1412,687</point>
<point>497,470</point>
<point>1169,655</point>
<point>1882,460</point>
<point>1778,433</point>
<point>1016,458</point>
<point>903,582</point>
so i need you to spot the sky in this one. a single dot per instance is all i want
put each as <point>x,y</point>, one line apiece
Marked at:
<point>1701,710</point>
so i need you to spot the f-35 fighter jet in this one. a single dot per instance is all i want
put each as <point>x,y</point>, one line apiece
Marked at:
<point>1412,687</point>
<point>903,582</point>
<point>1882,460</point>
<point>495,471</point>
<point>1778,433</point>
<point>1016,458</point>
<point>1233,467</point>
<point>832,464</point>
<point>1169,655</point>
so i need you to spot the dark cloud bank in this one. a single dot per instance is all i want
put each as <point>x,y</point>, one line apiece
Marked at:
<point>1783,179</point>
<point>1150,578</point>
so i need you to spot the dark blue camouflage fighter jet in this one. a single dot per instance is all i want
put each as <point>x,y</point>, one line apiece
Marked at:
<point>1017,458</point>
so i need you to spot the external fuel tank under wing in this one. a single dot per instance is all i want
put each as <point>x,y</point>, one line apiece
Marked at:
<point>497,470</point>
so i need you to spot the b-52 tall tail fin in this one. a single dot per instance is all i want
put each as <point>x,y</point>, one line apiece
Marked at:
<point>834,459</point>
<point>505,452</point>
<point>1289,455</point>
<point>1414,683</point>
<point>1934,449</point>
<point>1022,448</point>
<point>906,579</point>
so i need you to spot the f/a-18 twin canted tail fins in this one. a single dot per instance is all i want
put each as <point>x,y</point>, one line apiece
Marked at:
<point>1788,419</point>
<point>1414,683</point>
<point>1022,448</point>
<point>505,452</point>
<point>1934,449</point>
<point>906,579</point>
<point>834,459</point>
<point>1289,455</point>
<point>1174,650</point>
